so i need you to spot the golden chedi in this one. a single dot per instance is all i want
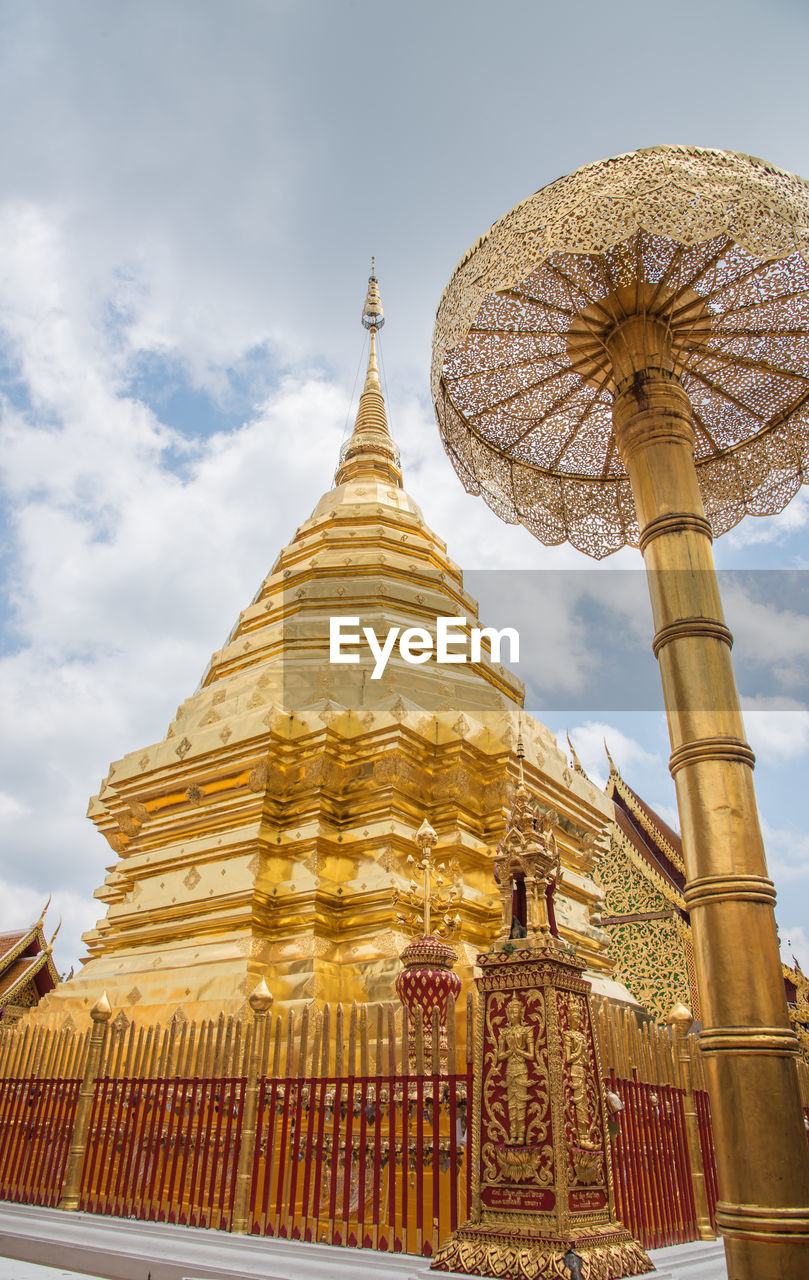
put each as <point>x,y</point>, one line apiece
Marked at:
<point>262,837</point>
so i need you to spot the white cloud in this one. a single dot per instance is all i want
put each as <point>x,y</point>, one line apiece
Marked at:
<point>20,906</point>
<point>775,638</point>
<point>760,530</point>
<point>795,945</point>
<point>787,854</point>
<point>10,808</point>
<point>588,740</point>
<point>777,728</point>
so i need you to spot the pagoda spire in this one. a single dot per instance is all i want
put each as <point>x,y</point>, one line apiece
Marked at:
<point>369,452</point>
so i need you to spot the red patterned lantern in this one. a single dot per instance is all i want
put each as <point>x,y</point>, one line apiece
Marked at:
<point>427,981</point>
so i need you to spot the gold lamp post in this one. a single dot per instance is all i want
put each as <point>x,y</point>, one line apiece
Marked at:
<point>622,359</point>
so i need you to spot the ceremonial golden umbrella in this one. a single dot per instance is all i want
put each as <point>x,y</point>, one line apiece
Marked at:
<point>622,359</point>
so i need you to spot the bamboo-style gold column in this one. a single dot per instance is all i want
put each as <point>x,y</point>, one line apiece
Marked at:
<point>100,1014</point>
<point>260,1002</point>
<point>680,1019</point>
<point>750,1049</point>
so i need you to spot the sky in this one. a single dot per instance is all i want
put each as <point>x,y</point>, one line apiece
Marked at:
<point>190,193</point>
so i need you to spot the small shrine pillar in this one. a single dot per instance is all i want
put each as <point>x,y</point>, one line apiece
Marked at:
<point>427,982</point>
<point>541,1199</point>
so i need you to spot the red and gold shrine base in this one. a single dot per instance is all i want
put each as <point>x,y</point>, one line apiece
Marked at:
<point>541,1175</point>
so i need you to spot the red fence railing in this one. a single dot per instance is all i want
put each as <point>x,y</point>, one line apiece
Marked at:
<point>372,1162</point>
<point>36,1123</point>
<point>651,1170</point>
<point>164,1150</point>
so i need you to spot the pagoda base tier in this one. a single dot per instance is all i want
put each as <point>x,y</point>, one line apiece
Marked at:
<point>513,1253</point>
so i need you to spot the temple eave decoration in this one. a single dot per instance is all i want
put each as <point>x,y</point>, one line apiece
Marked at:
<point>643,909</point>
<point>27,969</point>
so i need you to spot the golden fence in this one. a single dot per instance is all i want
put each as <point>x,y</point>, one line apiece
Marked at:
<point>344,1126</point>
<point>633,1047</point>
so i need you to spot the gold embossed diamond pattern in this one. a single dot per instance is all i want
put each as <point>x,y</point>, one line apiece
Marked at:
<point>714,244</point>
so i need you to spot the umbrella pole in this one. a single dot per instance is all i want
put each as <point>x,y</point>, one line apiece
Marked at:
<point>761,1146</point>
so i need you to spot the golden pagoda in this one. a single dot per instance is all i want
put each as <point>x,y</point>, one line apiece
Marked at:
<point>265,834</point>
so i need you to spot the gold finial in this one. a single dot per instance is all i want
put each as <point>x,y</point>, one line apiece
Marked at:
<point>43,913</point>
<point>680,1016</point>
<point>373,316</point>
<point>260,997</point>
<point>53,939</point>
<point>101,1011</point>
<point>577,765</point>
<point>520,758</point>
<point>609,757</point>
<point>369,451</point>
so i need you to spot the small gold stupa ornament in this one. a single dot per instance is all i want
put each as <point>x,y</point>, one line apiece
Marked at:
<point>427,981</point>
<point>528,868</point>
<point>541,1193</point>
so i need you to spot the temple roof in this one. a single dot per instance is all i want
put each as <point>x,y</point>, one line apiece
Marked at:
<point>659,846</point>
<point>25,955</point>
<point>8,941</point>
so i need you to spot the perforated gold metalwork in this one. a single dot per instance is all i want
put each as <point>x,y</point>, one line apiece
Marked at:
<point>713,244</point>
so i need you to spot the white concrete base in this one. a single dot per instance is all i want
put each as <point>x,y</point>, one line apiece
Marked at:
<point>47,1244</point>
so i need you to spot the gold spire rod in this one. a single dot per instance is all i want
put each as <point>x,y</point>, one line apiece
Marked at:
<point>370,451</point>
<point>373,315</point>
<point>373,318</point>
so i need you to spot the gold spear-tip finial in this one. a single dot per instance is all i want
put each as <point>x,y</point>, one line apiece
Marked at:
<point>609,757</point>
<point>260,997</point>
<point>680,1015</point>
<point>373,316</point>
<point>101,1010</point>
<point>577,764</point>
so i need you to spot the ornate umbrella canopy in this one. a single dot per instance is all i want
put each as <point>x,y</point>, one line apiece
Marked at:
<point>715,245</point>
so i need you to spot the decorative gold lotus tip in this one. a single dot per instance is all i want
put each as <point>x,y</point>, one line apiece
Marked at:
<point>679,1016</point>
<point>426,837</point>
<point>260,997</point>
<point>101,1010</point>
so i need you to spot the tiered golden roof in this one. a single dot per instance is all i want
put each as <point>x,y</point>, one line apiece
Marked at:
<point>262,837</point>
